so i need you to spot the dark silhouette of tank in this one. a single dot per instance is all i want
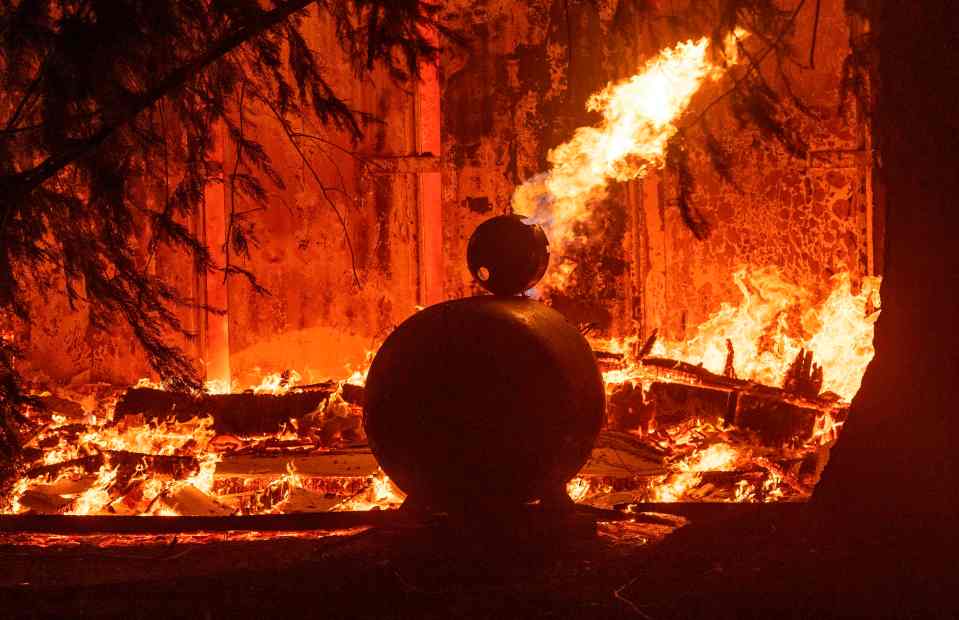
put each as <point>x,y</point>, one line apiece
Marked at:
<point>484,403</point>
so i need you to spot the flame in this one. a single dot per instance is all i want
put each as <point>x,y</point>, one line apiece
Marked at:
<point>218,386</point>
<point>358,376</point>
<point>577,488</point>
<point>97,496</point>
<point>776,319</point>
<point>637,122</point>
<point>203,479</point>
<point>717,457</point>
<point>381,493</point>
<point>277,383</point>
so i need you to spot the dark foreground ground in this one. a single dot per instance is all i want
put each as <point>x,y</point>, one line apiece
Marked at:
<point>755,562</point>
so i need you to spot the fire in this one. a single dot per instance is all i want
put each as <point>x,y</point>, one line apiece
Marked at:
<point>773,321</point>
<point>776,319</point>
<point>69,445</point>
<point>277,383</point>
<point>718,457</point>
<point>578,488</point>
<point>381,493</point>
<point>637,123</point>
<point>97,496</point>
<point>358,376</point>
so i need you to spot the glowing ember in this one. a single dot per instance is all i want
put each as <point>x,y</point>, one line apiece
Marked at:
<point>638,115</point>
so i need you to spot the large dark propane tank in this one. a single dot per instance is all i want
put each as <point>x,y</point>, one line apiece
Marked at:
<point>489,401</point>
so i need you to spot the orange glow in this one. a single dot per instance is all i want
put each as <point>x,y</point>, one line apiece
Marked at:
<point>718,457</point>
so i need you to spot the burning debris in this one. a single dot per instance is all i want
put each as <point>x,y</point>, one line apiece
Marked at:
<point>155,452</point>
<point>747,408</point>
<point>743,411</point>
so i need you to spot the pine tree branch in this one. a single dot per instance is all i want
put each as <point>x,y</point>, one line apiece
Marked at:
<point>754,65</point>
<point>32,179</point>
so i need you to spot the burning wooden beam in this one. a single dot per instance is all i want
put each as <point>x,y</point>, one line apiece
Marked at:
<point>243,414</point>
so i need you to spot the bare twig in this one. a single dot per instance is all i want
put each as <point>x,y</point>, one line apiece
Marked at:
<point>618,594</point>
<point>358,157</point>
<point>323,188</point>
<point>27,96</point>
<point>236,167</point>
<point>815,31</point>
<point>754,65</point>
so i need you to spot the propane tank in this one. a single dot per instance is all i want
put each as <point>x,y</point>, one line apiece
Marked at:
<point>490,401</point>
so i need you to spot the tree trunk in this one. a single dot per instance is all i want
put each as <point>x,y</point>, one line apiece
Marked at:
<point>895,462</point>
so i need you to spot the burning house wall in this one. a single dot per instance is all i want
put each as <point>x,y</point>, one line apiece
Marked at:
<point>320,318</point>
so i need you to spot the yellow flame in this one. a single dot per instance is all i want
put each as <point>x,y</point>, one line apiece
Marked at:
<point>776,319</point>
<point>97,496</point>
<point>358,376</point>
<point>717,457</point>
<point>577,488</point>
<point>277,383</point>
<point>637,122</point>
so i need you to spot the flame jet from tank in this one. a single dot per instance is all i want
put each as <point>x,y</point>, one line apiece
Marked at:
<point>638,115</point>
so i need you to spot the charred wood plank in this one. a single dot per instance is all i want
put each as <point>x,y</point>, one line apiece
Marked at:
<point>63,406</point>
<point>122,524</point>
<point>623,456</point>
<point>777,422</point>
<point>673,403</point>
<point>700,375</point>
<point>110,524</point>
<point>647,347</point>
<point>804,376</point>
<point>243,414</point>
<point>173,467</point>
<point>89,464</point>
<point>627,409</point>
